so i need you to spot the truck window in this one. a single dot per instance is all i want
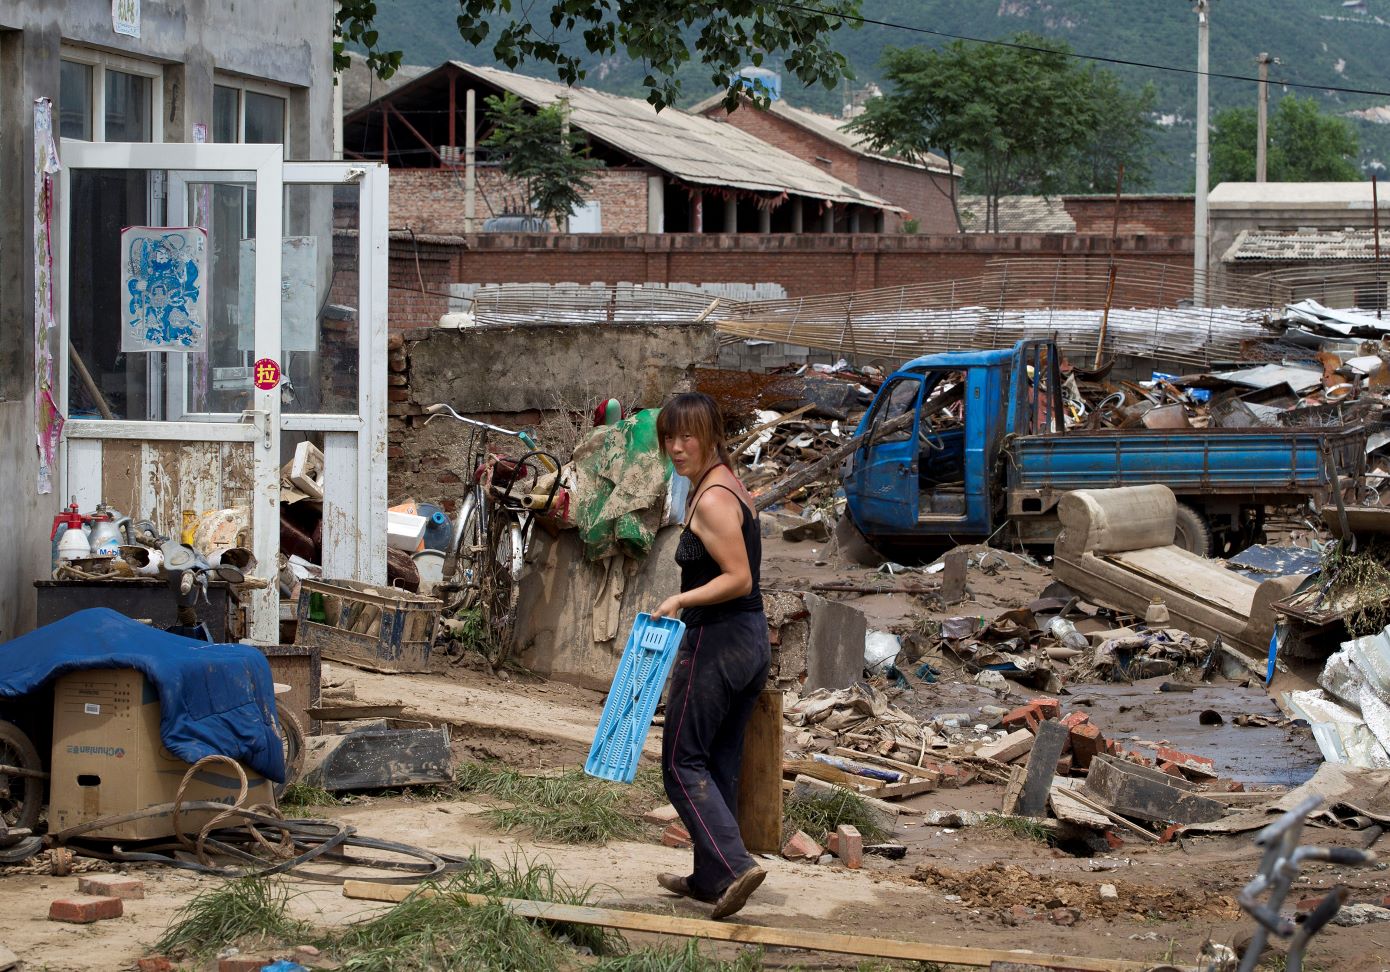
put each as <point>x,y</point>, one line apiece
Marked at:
<point>901,398</point>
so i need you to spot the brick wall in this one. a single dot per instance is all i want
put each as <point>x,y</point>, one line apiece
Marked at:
<point>421,267</point>
<point>433,200</point>
<point>804,265</point>
<point>1139,214</point>
<point>914,189</point>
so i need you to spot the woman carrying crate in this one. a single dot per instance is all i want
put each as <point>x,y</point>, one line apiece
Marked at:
<point>723,661</point>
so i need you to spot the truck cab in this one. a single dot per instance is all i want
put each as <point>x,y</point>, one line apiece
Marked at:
<point>968,446</point>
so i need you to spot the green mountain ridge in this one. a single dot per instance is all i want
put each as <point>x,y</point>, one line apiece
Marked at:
<point>1323,43</point>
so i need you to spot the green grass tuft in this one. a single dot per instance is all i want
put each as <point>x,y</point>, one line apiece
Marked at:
<point>1024,828</point>
<point>819,814</point>
<point>245,908</point>
<point>305,796</point>
<point>675,958</point>
<point>571,808</point>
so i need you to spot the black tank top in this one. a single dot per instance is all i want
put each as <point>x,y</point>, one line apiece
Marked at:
<point>698,568</point>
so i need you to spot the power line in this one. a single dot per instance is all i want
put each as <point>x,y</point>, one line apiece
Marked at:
<point>790,5</point>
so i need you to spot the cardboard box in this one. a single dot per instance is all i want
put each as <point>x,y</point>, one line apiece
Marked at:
<point>108,759</point>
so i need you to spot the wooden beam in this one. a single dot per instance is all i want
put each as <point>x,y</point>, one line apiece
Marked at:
<point>412,129</point>
<point>724,931</point>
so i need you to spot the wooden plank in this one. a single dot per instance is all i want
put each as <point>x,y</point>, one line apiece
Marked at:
<point>1012,789</point>
<point>891,810</point>
<point>345,712</point>
<point>760,778</point>
<point>1068,808</point>
<point>899,791</point>
<point>1086,801</point>
<point>120,475</point>
<point>342,524</point>
<point>724,931</point>
<point>829,774</point>
<point>953,576</point>
<point>84,474</point>
<point>1111,783</point>
<point>1042,767</point>
<point>1011,747</point>
<point>237,478</point>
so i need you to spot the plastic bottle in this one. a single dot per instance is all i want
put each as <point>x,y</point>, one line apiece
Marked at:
<point>1156,616</point>
<point>1065,632</point>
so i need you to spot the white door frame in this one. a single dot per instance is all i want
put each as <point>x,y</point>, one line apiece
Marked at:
<point>263,430</point>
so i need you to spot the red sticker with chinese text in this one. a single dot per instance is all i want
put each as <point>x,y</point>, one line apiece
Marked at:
<point>266,374</point>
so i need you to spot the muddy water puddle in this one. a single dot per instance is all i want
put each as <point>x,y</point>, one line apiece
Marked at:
<point>1138,713</point>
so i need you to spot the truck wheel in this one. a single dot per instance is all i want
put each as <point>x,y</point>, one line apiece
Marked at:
<point>1193,534</point>
<point>853,546</point>
<point>21,797</point>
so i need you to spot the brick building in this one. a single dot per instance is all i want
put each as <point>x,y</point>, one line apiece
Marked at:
<point>667,172</point>
<point>923,191</point>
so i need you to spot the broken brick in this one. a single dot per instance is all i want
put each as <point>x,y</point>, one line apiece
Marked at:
<point>83,909</point>
<point>1170,834</point>
<point>155,963</point>
<point>1065,916</point>
<point>1087,742</point>
<point>1200,765</point>
<point>1024,717</point>
<point>111,886</point>
<point>801,847</point>
<point>661,816</point>
<point>1064,765</point>
<point>1050,708</point>
<point>1172,769</point>
<point>849,845</point>
<point>676,836</point>
<point>242,963</point>
<point>1113,840</point>
<point>1074,719</point>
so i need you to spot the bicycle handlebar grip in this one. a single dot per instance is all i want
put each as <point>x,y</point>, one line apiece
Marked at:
<point>1353,856</point>
<point>1325,911</point>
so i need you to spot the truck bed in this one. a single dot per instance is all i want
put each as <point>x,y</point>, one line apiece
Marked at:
<point>1191,461</point>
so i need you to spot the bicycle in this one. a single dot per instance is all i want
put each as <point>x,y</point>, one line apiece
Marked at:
<point>492,528</point>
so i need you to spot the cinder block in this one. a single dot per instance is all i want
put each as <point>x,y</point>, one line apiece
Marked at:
<point>111,886</point>
<point>83,909</point>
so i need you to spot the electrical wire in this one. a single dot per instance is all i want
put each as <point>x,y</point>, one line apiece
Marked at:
<point>805,8</point>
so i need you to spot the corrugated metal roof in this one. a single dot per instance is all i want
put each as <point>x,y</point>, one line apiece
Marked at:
<point>828,127</point>
<point>1348,244</point>
<point>1018,214</point>
<point>690,147</point>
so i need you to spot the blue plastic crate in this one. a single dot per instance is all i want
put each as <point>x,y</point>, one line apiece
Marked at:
<point>627,714</point>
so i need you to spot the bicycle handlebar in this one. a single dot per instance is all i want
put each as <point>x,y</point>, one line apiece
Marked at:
<point>443,408</point>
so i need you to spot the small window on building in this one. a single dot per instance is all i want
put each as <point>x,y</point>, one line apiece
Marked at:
<point>226,110</point>
<point>75,101</point>
<point>265,119</point>
<point>127,107</point>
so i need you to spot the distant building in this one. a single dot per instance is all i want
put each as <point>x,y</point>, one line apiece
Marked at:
<point>922,191</point>
<point>666,172</point>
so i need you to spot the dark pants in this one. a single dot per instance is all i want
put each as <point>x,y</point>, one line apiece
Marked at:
<point>720,670</point>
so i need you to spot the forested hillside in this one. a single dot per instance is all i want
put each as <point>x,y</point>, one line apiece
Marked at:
<point>1318,42</point>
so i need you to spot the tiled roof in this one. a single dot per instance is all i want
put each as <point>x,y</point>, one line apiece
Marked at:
<point>1018,214</point>
<point>1348,244</point>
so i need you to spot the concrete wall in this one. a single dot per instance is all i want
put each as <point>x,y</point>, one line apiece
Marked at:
<point>288,42</point>
<point>510,376</point>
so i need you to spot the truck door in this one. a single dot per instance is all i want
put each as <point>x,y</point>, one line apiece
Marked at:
<point>882,488</point>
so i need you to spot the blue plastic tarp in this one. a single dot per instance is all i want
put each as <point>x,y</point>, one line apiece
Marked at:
<point>213,699</point>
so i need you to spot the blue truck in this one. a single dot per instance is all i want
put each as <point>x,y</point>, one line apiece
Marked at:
<point>929,473</point>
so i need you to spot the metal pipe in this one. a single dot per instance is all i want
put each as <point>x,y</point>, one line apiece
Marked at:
<point>1375,223</point>
<point>1110,285</point>
<point>470,160</point>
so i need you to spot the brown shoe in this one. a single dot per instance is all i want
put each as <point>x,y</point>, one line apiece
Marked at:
<point>736,894</point>
<point>681,886</point>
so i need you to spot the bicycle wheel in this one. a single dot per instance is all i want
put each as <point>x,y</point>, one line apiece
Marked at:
<point>499,594</point>
<point>463,575</point>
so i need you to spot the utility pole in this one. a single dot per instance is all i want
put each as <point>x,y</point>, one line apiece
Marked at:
<point>1199,254</point>
<point>1262,143</point>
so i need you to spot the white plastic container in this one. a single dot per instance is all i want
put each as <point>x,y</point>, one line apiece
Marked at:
<point>404,530</point>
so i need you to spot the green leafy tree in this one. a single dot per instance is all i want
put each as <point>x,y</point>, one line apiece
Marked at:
<point>1123,133</point>
<point>1019,119</point>
<point>1305,144</point>
<point>662,35</point>
<point>538,149</point>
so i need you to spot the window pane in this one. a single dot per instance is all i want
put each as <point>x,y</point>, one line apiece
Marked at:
<point>75,101</point>
<point>224,122</point>
<point>265,118</point>
<point>127,107</point>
